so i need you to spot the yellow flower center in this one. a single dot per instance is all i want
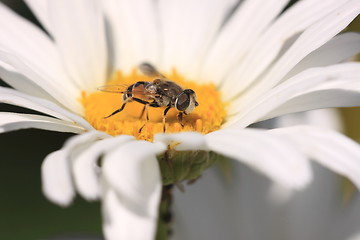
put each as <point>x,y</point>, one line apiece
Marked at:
<point>206,117</point>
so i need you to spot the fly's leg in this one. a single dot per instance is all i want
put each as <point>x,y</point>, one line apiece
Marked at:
<point>142,112</point>
<point>180,118</point>
<point>140,100</point>
<point>120,109</point>
<point>145,109</point>
<point>129,99</point>
<point>164,118</point>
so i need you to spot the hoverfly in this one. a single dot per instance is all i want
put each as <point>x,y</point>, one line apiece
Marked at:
<point>161,92</point>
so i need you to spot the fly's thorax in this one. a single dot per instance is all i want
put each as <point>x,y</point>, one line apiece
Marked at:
<point>168,88</point>
<point>163,101</point>
<point>166,92</point>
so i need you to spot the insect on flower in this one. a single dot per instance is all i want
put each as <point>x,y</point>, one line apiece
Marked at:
<point>161,92</point>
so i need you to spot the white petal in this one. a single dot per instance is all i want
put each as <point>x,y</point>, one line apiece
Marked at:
<point>35,57</point>
<point>22,83</point>
<point>185,141</point>
<point>16,98</point>
<point>312,38</point>
<point>84,166</point>
<point>64,94</point>
<point>40,9</point>
<point>238,34</point>
<point>355,236</point>
<point>134,29</point>
<point>272,156</point>
<point>263,52</point>
<point>279,195</point>
<point>121,223</point>
<point>338,49</point>
<point>332,86</point>
<point>329,148</point>
<point>132,170</point>
<point>16,121</point>
<point>189,28</point>
<point>56,172</point>
<point>332,94</point>
<point>56,179</point>
<point>326,118</point>
<point>79,32</point>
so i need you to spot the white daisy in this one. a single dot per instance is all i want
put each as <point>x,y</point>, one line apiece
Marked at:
<point>246,62</point>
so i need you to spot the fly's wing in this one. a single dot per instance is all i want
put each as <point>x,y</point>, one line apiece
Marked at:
<point>135,91</point>
<point>150,71</point>
<point>119,88</point>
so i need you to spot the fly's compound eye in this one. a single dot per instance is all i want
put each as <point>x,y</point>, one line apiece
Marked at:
<point>186,101</point>
<point>182,101</point>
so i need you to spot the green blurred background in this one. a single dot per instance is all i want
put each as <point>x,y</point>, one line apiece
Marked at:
<point>24,211</point>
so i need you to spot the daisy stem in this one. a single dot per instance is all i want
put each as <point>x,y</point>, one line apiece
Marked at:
<point>165,215</point>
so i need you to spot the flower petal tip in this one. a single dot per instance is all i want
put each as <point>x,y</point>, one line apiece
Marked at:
<point>184,141</point>
<point>56,180</point>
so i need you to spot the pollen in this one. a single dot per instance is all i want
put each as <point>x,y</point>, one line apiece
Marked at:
<point>207,117</point>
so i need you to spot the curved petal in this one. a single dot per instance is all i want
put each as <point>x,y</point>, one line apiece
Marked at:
<point>326,118</point>
<point>36,58</point>
<point>41,11</point>
<point>121,223</point>
<point>236,36</point>
<point>310,40</point>
<point>56,179</point>
<point>189,27</point>
<point>56,174</point>
<point>134,30</point>
<point>79,32</point>
<point>338,95</point>
<point>17,121</point>
<point>132,170</point>
<point>338,49</point>
<point>67,96</point>
<point>84,166</point>
<point>185,141</point>
<point>332,86</point>
<point>263,52</point>
<point>22,83</point>
<point>327,147</point>
<point>270,155</point>
<point>17,98</point>
<point>356,236</point>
